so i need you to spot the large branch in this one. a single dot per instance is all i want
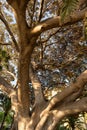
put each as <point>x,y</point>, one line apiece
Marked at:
<point>56,22</point>
<point>21,4</point>
<point>72,98</point>
<point>40,103</point>
<point>37,87</point>
<point>54,116</point>
<point>62,100</point>
<point>80,82</point>
<point>71,109</point>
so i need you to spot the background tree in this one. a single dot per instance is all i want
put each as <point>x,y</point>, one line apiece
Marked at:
<point>45,43</point>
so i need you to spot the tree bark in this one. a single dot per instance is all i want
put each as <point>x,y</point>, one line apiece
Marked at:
<point>44,113</point>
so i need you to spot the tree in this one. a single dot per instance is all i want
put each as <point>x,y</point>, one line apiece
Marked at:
<point>31,22</point>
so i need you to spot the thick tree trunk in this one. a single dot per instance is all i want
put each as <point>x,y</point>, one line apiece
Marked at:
<point>23,88</point>
<point>23,70</point>
<point>23,93</point>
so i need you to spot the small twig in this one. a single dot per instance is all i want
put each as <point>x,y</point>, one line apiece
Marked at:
<point>33,12</point>
<point>3,44</point>
<point>50,36</point>
<point>41,9</point>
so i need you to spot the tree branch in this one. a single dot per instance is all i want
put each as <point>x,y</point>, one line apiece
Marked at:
<point>21,4</point>
<point>70,109</point>
<point>40,103</point>
<point>33,13</point>
<point>9,30</point>
<point>60,3</point>
<point>64,103</point>
<point>5,86</point>
<point>54,116</point>
<point>80,82</point>
<point>50,36</point>
<point>56,22</point>
<point>5,44</point>
<point>73,97</point>
<point>41,9</point>
<point>37,87</point>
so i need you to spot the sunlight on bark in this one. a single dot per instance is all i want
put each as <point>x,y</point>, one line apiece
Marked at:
<point>37,28</point>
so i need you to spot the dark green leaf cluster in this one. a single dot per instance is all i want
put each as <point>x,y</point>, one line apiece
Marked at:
<point>4,57</point>
<point>5,101</point>
<point>8,120</point>
<point>7,104</point>
<point>6,115</point>
<point>68,7</point>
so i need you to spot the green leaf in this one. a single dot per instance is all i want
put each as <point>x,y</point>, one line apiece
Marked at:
<point>0,68</point>
<point>7,104</point>
<point>68,7</point>
<point>4,53</point>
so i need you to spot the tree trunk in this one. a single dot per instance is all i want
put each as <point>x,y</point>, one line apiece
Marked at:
<point>23,87</point>
<point>45,116</point>
<point>23,71</point>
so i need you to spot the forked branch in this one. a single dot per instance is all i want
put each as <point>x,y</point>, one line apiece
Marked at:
<point>70,109</point>
<point>75,87</point>
<point>64,106</point>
